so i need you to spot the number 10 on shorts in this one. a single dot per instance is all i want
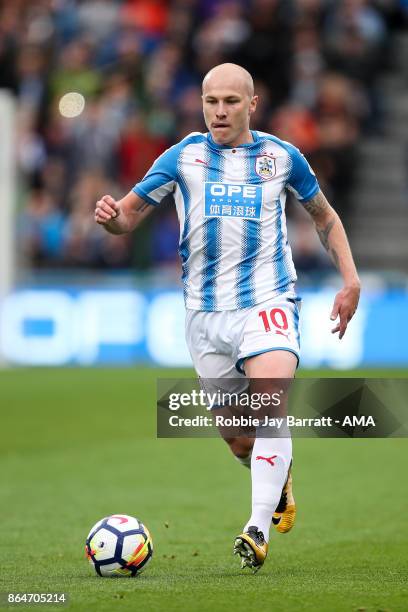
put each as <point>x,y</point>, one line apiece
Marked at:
<point>276,317</point>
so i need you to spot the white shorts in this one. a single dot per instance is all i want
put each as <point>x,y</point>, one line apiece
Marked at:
<point>220,342</point>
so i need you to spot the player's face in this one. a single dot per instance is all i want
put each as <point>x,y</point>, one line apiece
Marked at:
<point>227,110</point>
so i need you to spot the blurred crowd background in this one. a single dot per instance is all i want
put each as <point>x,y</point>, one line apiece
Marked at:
<point>139,65</point>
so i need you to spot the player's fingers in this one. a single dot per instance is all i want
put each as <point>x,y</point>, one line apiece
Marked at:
<point>104,211</point>
<point>107,199</point>
<point>335,310</point>
<point>344,319</point>
<point>101,216</point>
<point>108,209</point>
<point>335,329</point>
<point>112,204</point>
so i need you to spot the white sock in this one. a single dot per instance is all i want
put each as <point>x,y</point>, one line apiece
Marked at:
<point>270,463</point>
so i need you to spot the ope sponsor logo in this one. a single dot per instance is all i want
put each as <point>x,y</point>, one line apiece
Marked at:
<point>246,191</point>
<point>229,200</point>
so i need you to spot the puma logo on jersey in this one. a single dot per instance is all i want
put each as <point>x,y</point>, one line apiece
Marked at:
<point>281,333</point>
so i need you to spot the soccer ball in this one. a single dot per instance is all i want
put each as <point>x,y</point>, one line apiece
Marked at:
<point>119,545</point>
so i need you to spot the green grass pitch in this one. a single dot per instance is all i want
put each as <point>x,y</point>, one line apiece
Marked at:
<point>77,445</point>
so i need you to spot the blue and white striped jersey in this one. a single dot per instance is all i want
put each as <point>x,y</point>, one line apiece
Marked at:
<point>231,207</point>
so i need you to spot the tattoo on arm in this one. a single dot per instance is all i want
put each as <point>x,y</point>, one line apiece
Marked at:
<point>317,207</point>
<point>324,239</point>
<point>140,206</point>
<point>324,234</point>
<point>335,257</point>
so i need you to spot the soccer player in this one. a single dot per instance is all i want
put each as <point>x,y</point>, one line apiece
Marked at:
<point>229,187</point>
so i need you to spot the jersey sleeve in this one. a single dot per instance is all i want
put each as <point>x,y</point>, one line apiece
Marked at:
<point>160,179</point>
<point>302,181</point>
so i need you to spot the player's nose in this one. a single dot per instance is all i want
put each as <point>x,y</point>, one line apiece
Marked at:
<point>220,111</point>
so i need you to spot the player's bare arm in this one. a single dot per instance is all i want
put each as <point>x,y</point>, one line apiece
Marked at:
<point>121,216</point>
<point>333,237</point>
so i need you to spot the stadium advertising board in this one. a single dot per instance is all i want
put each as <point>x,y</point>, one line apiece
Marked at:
<point>77,326</point>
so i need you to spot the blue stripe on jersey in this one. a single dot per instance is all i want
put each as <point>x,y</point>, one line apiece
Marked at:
<point>296,315</point>
<point>211,238</point>
<point>279,260</point>
<point>250,245</point>
<point>184,246</point>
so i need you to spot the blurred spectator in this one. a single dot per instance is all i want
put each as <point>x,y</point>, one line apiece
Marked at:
<point>223,33</point>
<point>354,36</point>
<point>190,113</point>
<point>308,66</point>
<point>150,16</point>
<point>309,255</point>
<point>338,111</point>
<point>93,140</point>
<point>296,125</point>
<point>181,22</point>
<point>40,229</point>
<point>53,177</point>
<point>31,151</point>
<point>31,75</point>
<point>167,77</point>
<point>98,18</point>
<point>74,71</point>
<point>65,19</point>
<point>165,239</point>
<point>85,244</point>
<point>118,101</point>
<point>339,108</point>
<point>267,49</point>
<point>137,150</point>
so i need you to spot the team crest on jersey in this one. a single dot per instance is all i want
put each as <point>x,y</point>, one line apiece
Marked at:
<point>265,166</point>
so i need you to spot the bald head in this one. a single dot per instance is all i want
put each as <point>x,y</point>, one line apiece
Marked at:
<point>229,76</point>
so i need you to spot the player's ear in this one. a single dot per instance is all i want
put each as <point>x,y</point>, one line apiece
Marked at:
<point>252,104</point>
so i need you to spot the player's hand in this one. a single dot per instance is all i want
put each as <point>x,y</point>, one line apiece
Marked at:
<point>106,209</point>
<point>345,305</point>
